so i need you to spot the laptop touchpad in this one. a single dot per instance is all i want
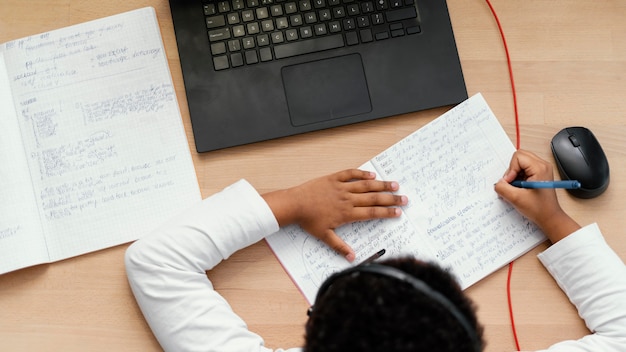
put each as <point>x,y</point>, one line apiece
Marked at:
<point>326,89</point>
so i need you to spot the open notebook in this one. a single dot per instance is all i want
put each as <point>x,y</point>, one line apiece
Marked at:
<point>454,217</point>
<point>93,149</point>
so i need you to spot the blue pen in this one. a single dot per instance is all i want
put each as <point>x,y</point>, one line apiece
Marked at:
<point>571,184</point>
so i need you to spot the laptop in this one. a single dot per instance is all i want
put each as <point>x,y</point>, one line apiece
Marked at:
<point>256,70</point>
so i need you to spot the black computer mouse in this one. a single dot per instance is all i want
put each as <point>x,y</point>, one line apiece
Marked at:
<point>579,156</point>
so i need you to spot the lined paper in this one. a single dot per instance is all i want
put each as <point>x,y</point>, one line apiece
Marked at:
<point>101,132</point>
<point>454,217</point>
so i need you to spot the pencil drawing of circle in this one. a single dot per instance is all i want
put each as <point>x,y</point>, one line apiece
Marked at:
<point>316,261</point>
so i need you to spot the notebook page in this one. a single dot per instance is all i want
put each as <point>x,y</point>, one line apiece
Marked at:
<point>309,261</point>
<point>100,121</point>
<point>448,169</point>
<point>21,237</point>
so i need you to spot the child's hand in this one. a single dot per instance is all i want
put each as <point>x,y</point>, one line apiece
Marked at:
<point>323,204</point>
<point>539,205</point>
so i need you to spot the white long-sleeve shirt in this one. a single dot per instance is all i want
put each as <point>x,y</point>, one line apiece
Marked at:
<point>167,273</point>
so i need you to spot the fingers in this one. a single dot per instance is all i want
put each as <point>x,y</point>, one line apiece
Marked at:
<point>538,205</point>
<point>344,197</point>
<point>516,167</point>
<point>378,199</point>
<point>359,181</point>
<point>336,243</point>
<point>370,197</point>
<point>506,191</point>
<point>366,186</point>
<point>354,174</point>
<point>529,165</point>
<point>525,165</point>
<point>374,212</point>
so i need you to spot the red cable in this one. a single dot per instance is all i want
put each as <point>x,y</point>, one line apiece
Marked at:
<point>508,60</point>
<point>508,296</point>
<point>517,145</point>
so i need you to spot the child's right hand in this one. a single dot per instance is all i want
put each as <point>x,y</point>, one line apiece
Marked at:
<point>539,205</point>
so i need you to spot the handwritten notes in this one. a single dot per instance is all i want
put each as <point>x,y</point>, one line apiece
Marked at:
<point>447,169</point>
<point>101,145</point>
<point>19,218</point>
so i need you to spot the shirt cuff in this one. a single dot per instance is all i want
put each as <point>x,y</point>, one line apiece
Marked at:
<point>250,215</point>
<point>578,239</point>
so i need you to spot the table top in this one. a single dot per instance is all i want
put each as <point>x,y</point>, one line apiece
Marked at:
<point>569,62</point>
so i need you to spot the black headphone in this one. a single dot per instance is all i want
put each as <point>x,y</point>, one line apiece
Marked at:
<point>417,284</point>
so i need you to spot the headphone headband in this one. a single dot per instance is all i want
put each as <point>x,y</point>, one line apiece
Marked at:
<point>417,284</point>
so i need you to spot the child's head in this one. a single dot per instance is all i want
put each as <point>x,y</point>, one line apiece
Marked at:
<point>397,305</point>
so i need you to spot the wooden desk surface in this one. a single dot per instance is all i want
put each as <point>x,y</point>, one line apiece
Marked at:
<point>569,61</point>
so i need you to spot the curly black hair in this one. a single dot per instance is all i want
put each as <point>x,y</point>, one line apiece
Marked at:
<point>377,313</point>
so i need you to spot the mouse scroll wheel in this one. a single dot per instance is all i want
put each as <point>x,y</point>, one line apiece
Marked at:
<point>574,141</point>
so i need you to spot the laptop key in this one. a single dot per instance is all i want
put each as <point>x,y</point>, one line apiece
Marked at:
<point>291,35</point>
<point>248,42</point>
<point>320,29</point>
<point>276,10</point>
<point>234,45</point>
<point>397,33</point>
<point>223,6</point>
<point>366,35</point>
<point>352,38</point>
<point>265,54</point>
<point>306,32</point>
<point>367,7</point>
<point>413,30</point>
<point>298,27</point>
<point>219,34</point>
<point>263,40</point>
<point>209,9</point>
<point>251,57</point>
<point>220,63</point>
<point>218,48</point>
<point>308,46</point>
<point>277,37</point>
<point>215,21</point>
<point>401,14</point>
<point>381,35</point>
<point>290,8</point>
<point>237,59</point>
<point>238,4</point>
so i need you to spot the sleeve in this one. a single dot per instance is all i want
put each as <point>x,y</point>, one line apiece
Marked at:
<point>593,276</point>
<point>167,272</point>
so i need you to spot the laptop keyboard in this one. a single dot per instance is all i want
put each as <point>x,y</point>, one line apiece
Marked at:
<point>249,32</point>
